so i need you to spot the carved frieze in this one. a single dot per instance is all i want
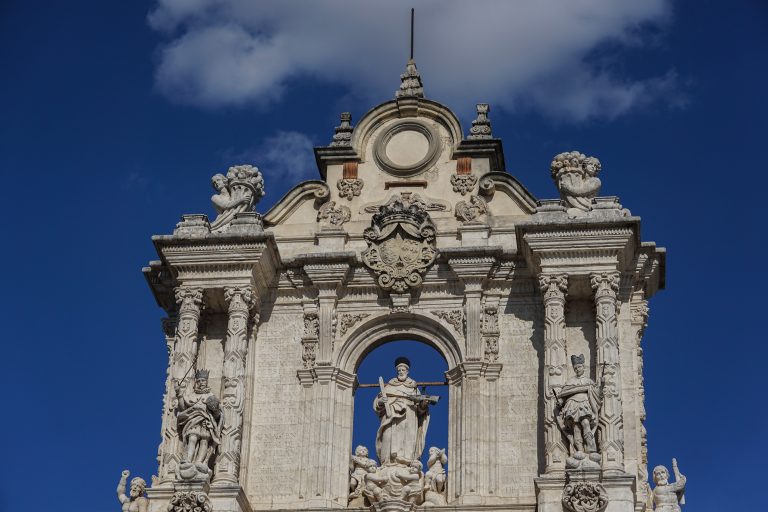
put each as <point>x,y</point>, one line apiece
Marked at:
<point>349,187</point>
<point>453,317</point>
<point>401,243</point>
<point>472,210</point>
<point>585,497</point>
<point>348,320</point>
<point>463,183</point>
<point>333,215</point>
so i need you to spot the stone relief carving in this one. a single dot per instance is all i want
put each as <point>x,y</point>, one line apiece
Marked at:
<point>575,175</point>
<point>343,133</point>
<point>334,215</point>
<point>472,210</point>
<point>190,501</point>
<point>349,187</point>
<point>426,203</point>
<point>490,332</point>
<point>585,497</point>
<point>136,500</point>
<point>481,126</point>
<point>311,337</point>
<point>463,183</point>
<point>401,243</point>
<point>199,419</point>
<point>358,469</point>
<point>237,192</point>
<point>434,478</point>
<point>348,320</point>
<point>454,317</point>
<point>668,496</point>
<point>579,403</point>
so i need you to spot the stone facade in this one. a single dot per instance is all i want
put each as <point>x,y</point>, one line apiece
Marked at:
<point>441,245</point>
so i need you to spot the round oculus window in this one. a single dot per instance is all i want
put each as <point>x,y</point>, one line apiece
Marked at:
<point>407,148</point>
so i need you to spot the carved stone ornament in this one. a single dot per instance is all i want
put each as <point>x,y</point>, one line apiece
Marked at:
<point>575,175</point>
<point>410,82</point>
<point>343,133</point>
<point>585,497</point>
<point>349,319</point>
<point>481,127</point>
<point>237,192</point>
<point>463,183</point>
<point>334,215</point>
<point>401,243</point>
<point>472,210</point>
<point>349,187</point>
<point>455,318</point>
<point>190,501</point>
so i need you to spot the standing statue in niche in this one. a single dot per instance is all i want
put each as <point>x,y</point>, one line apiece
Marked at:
<point>135,501</point>
<point>404,415</point>
<point>579,403</point>
<point>199,424</point>
<point>667,497</point>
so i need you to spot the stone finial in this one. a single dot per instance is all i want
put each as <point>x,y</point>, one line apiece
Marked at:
<point>575,175</point>
<point>237,192</point>
<point>481,126</point>
<point>342,136</point>
<point>410,82</point>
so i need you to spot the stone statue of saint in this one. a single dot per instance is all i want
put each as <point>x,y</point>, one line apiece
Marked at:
<point>199,424</point>
<point>404,415</point>
<point>579,403</point>
<point>135,501</point>
<point>358,468</point>
<point>667,497</point>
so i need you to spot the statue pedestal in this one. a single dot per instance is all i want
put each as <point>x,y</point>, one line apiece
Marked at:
<point>619,488</point>
<point>393,506</point>
<point>230,498</point>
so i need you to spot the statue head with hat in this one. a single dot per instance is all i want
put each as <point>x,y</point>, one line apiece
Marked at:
<point>402,365</point>
<point>201,381</point>
<point>577,361</point>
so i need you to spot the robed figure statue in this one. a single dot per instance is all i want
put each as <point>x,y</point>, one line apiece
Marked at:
<point>404,415</point>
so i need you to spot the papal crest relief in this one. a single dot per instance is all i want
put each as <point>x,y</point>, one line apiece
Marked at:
<point>401,243</point>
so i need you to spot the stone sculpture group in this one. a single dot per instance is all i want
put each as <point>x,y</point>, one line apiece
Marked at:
<point>404,419</point>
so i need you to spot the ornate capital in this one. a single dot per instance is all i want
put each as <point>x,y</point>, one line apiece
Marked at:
<point>585,497</point>
<point>605,284</point>
<point>553,285</point>
<point>189,298</point>
<point>240,298</point>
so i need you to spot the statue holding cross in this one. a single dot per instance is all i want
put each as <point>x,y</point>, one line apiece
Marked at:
<point>404,415</point>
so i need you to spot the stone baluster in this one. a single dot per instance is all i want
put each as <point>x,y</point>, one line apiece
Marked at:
<point>184,348</point>
<point>553,288</point>
<point>240,301</point>
<point>608,375</point>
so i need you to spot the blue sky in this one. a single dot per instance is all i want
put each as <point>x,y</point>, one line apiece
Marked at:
<point>116,114</point>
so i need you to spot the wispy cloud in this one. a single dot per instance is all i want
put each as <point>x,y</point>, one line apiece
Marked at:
<point>284,156</point>
<point>521,54</point>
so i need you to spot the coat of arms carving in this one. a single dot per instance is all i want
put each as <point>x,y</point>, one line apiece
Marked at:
<point>401,243</point>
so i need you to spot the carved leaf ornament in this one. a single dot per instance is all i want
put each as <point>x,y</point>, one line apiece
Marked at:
<point>401,243</point>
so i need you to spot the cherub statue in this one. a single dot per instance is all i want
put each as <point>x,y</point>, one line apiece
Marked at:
<point>412,480</point>
<point>575,175</point>
<point>358,468</point>
<point>199,424</point>
<point>579,403</point>
<point>374,482</point>
<point>135,501</point>
<point>667,497</point>
<point>236,192</point>
<point>435,476</point>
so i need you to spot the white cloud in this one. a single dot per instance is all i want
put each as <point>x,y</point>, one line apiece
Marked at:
<point>513,54</point>
<point>285,156</point>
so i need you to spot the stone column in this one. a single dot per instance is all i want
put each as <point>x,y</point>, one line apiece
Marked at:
<point>639,318</point>
<point>240,301</point>
<point>608,373</point>
<point>553,288</point>
<point>168,441</point>
<point>190,302</point>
